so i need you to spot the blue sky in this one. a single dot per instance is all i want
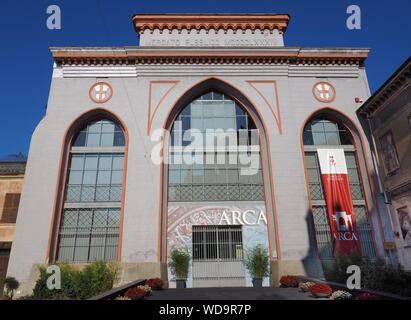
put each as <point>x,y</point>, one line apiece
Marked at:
<point>26,63</point>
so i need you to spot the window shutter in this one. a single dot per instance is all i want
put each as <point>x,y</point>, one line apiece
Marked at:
<point>10,208</point>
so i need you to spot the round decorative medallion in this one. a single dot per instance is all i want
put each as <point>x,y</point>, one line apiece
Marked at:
<point>101,92</point>
<point>324,92</point>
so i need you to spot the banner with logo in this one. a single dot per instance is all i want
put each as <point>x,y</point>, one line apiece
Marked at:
<point>339,202</point>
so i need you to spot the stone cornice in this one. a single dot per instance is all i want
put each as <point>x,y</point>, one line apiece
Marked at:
<point>189,55</point>
<point>207,22</point>
<point>400,79</point>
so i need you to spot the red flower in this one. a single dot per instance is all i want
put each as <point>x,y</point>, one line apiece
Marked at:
<point>155,283</point>
<point>289,281</point>
<point>134,292</point>
<point>321,288</point>
<point>366,296</point>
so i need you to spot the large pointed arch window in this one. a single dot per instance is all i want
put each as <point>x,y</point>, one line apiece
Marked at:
<point>213,171</point>
<point>323,132</point>
<point>90,221</point>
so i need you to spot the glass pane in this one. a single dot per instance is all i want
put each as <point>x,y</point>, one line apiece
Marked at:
<point>198,176</point>
<point>118,162</point>
<point>91,162</point>
<point>311,160</point>
<point>196,110</point>
<point>80,140</point>
<point>221,176</point>
<point>75,177</point>
<point>108,127</point>
<point>317,126</point>
<point>117,177</point>
<point>232,176</point>
<point>308,138</point>
<point>103,177</point>
<point>119,140</point>
<point>330,126</point>
<point>207,96</point>
<point>319,138</point>
<point>94,127</point>
<point>353,176</point>
<point>77,162</point>
<point>186,177</point>
<point>89,177</point>
<point>209,176</point>
<point>350,160</point>
<point>104,162</point>
<point>313,175</point>
<point>332,138</point>
<point>345,138</point>
<point>107,139</point>
<point>93,140</point>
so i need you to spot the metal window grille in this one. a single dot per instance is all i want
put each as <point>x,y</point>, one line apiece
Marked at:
<point>89,234</point>
<point>217,243</point>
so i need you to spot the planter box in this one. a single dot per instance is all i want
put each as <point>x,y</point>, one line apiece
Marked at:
<point>181,284</point>
<point>257,283</point>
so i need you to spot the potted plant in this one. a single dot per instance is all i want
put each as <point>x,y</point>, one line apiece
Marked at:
<point>146,288</point>
<point>367,296</point>
<point>11,285</point>
<point>257,263</point>
<point>135,293</point>
<point>305,286</point>
<point>289,281</point>
<point>179,264</point>
<point>321,290</point>
<point>155,283</point>
<point>341,295</point>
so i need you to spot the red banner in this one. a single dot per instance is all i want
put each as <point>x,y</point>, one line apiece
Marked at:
<point>338,198</point>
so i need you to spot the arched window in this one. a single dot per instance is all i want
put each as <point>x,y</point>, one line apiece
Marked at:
<point>225,163</point>
<point>323,132</point>
<point>90,221</point>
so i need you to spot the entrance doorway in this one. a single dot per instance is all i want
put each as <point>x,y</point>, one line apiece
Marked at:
<point>4,261</point>
<point>218,256</point>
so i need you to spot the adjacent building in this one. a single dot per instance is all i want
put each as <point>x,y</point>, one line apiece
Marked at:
<point>211,135</point>
<point>386,118</point>
<point>11,182</point>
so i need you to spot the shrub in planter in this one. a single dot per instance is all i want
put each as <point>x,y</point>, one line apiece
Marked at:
<point>305,286</point>
<point>179,264</point>
<point>11,285</point>
<point>257,263</point>
<point>366,296</point>
<point>95,278</point>
<point>321,290</point>
<point>155,283</point>
<point>289,281</point>
<point>341,295</point>
<point>135,293</point>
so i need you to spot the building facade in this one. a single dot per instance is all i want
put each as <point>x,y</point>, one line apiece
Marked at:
<point>125,164</point>
<point>386,117</point>
<point>11,182</point>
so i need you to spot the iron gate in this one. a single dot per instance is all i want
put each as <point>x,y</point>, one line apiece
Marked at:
<point>218,256</point>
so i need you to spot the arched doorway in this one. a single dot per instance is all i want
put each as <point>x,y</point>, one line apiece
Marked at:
<point>216,188</point>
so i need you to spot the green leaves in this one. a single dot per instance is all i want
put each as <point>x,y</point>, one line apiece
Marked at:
<point>94,278</point>
<point>257,262</point>
<point>180,262</point>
